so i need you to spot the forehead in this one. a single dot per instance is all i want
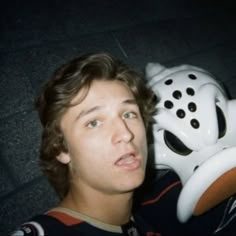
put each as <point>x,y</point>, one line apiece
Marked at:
<point>100,90</point>
<point>101,95</point>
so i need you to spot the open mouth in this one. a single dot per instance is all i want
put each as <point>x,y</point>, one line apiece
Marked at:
<point>219,190</point>
<point>128,161</point>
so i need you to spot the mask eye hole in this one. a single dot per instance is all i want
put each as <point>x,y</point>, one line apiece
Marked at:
<point>221,122</point>
<point>174,144</point>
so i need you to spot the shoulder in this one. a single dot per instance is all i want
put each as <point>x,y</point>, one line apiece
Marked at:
<point>40,225</point>
<point>159,207</point>
<point>160,187</point>
<point>31,228</point>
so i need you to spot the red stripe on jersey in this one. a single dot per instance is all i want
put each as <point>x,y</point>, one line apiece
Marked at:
<point>64,218</point>
<point>157,198</point>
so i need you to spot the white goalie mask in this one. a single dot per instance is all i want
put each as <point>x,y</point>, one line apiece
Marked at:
<point>194,135</point>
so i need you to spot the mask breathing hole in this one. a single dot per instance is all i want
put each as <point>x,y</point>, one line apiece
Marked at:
<point>175,144</point>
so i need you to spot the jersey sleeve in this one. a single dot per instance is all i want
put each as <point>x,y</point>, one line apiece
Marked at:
<point>42,225</point>
<point>31,228</point>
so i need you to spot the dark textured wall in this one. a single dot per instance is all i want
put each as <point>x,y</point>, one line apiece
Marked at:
<point>37,36</point>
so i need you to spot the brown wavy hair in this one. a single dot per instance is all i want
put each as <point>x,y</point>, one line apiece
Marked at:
<point>56,97</point>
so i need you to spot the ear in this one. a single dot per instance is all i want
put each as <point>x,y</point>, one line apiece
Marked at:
<point>64,158</point>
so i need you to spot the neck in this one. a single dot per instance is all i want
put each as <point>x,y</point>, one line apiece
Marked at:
<point>112,209</point>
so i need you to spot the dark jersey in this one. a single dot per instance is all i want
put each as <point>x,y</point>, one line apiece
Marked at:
<point>154,214</point>
<point>59,222</point>
<point>158,205</point>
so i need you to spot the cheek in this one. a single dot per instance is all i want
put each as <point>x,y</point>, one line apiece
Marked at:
<point>82,142</point>
<point>142,134</point>
<point>143,141</point>
<point>144,150</point>
<point>91,160</point>
<point>87,148</point>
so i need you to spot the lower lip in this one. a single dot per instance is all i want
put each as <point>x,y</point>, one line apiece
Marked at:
<point>135,164</point>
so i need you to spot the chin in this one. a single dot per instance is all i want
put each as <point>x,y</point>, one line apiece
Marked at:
<point>134,183</point>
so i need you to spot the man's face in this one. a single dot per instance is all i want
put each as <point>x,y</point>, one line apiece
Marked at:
<point>106,139</point>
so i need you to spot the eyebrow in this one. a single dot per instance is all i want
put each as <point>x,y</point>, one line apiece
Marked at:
<point>96,108</point>
<point>87,112</point>
<point>130,101</point>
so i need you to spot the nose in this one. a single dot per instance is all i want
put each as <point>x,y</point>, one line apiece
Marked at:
<point>121,132</point>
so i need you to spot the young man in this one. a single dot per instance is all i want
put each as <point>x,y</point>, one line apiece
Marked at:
<point>95,111</point>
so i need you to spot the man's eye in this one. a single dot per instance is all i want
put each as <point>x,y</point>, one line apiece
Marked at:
<point>93,124</point>
<point>129,115</point>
